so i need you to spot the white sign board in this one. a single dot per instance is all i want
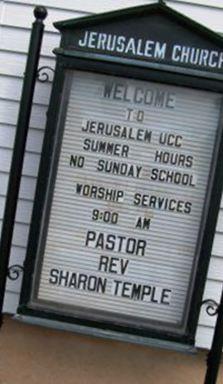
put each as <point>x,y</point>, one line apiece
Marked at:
<point>123,234</point>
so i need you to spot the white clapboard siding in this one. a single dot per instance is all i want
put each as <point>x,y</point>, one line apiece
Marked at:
<point>204,336</point>
<point>108,5</point>
<point>9,112</point>
<point>11,303</point>
<point>202,15</point>
<point>219,227</point>
<point>27,186</point>
<point>10,43</point>
<point>31,162</point>
<point>215,268</point>
<point>24,210</point>
<point>16,63</point>
<point>217,249</point>
<point>195,11</point>
<point>34,139</point>
<point>41,96</point>
<point>16,17</point>
<point>20,235</point>
<point>25,19</point>
<point>208,3</point>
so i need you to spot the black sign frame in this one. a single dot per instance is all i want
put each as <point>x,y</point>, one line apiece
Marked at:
<point>130,69</point>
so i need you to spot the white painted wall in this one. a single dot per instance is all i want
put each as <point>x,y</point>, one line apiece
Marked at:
<point>16,17</point>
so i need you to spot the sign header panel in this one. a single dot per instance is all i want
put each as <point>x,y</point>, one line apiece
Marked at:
<point>155,34</point>
<point>123,236</point>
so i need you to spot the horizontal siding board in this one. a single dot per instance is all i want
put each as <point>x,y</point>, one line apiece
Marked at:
<point>21,43</point>
<point>215,271</point>
<point>219,227</point>
<point>11,88</point>
<point>31,162</point>
<point>16,64</point>
<point>217,249</point>
<point>27,187</point>
<point>10,302</point>
<point>87,6</point>
<point>204,336</point>
<point>15,39</point>
<point>7,135</point>
<point>210,18</point>
<point>21,15</point>
<point>108,5</point>
<point>205,319</point>
<point>202,3</point>
<point>14,285</point>
<point>4,182</point>
<point>9,112</point>
<point>20,234</point>
<point>34,138</point>
<point>17,255</point>
<point>23,213</point>
<point>198,13</point>
<point>26,18</point>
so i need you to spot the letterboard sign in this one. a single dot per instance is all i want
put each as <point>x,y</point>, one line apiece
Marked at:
<point>130,180</point>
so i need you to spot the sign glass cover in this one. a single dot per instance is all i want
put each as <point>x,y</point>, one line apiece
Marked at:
<point>122,237</point>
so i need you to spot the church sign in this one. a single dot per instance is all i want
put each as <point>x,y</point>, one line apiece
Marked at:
<point>130,180</point>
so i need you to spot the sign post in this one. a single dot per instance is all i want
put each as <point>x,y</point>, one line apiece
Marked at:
<point>40,14</point>
<point>130,179</point>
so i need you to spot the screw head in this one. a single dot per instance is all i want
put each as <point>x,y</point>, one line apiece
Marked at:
<point>40,12</point>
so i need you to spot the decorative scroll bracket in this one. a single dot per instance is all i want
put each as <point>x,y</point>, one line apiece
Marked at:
<point>14,272</point>
<point>212,307</point>
<point>43,74</point>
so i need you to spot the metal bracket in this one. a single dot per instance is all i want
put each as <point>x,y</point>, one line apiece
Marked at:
<point>212,307</point>
<point>14,271</point>
<point>43,74</point>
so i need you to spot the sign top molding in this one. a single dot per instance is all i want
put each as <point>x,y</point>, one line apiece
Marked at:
<point>140,11</point>
<point>153,34</point>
